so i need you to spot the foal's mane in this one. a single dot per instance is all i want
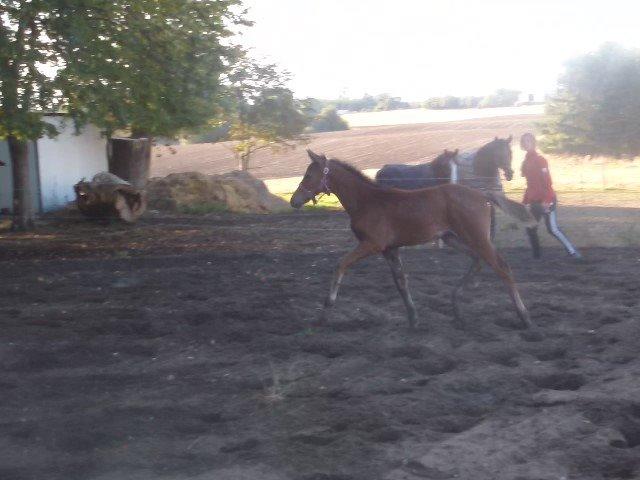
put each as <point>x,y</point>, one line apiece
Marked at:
<point>357,173</point>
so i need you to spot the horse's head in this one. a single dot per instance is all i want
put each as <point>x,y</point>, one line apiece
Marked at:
<point>442,164</point>
<point>314,181</point>
<point>501,154</point>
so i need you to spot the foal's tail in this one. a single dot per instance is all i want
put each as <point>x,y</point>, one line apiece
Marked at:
<point>514,209</point>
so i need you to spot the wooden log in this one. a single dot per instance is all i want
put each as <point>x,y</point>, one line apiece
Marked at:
<point>108,196</point>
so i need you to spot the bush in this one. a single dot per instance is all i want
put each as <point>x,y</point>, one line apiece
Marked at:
<point>328,121</point>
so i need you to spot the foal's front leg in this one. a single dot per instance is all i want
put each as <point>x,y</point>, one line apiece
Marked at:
<point>392,256</point>
<point>361,251</point>
<point>454,242</point>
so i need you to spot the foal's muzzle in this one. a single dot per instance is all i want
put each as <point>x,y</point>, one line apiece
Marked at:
<point>299,198</point>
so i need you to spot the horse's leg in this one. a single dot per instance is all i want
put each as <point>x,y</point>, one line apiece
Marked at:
<point>392,255</point>
<point>361,251</point>
<point>500,266</point>
<point>454,242</point>
<point>492,234</point>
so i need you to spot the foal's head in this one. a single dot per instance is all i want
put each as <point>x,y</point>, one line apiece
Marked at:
<point>496,155</point>
<point>314,181</point>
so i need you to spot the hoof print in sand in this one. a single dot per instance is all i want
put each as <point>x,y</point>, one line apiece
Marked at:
<point>560,381</point>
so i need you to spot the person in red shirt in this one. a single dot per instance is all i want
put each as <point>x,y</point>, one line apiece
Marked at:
<point>540,196</point>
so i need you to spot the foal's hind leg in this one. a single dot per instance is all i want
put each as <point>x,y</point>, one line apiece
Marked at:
<point>361,251</point>
<point>492,225</point>
<point>501,267</point>
<point>454,242</point>
<point>392,255</point>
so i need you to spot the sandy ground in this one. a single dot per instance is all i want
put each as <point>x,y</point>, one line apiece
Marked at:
<point>183,348</point>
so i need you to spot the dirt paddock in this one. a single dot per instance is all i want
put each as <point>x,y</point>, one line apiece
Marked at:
<point>182,348</point>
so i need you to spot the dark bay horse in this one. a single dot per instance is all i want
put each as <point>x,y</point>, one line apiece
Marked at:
<point>423,175</point>
<point>385,219</point>
<point>476,169</point>
<point>479,169</point>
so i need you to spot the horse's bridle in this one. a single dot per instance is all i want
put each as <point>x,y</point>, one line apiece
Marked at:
<point>323,184</point>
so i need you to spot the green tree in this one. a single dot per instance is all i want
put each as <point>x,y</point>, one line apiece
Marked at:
<point>328,120</point>
<point>441,103</point>
<point>597,105</point>
<point>152,67</point>
<point>25,91</point>
<point>387,102</point>
<point>263,111</point>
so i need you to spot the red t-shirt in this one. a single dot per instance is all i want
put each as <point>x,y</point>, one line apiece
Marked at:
<point>536,170</point>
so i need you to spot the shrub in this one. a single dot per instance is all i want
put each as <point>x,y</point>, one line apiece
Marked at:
<point>328,120</point>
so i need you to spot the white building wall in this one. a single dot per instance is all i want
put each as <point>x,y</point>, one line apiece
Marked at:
<point>66,159</point>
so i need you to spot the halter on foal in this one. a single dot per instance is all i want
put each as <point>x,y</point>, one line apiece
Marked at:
<point>385,219</point>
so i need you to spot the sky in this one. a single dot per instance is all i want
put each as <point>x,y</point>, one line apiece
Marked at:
<point>416,49</point>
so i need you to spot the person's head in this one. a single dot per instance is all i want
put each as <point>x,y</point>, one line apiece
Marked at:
<point>528,142</point>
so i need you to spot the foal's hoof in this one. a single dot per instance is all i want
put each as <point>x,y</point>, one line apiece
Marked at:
<point>322,319</point>
<point>458,320</point>
<point>527,322</point>
<point>412,321</point>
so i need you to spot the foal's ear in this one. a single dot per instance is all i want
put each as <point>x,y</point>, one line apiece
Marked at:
<point>455,152</point>
<point>510,138</point>
<point>315,157</point>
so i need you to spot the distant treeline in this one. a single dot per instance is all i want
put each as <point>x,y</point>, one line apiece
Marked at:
<point>322,115</point>
<point>367,103</point>
<point>500,98</point>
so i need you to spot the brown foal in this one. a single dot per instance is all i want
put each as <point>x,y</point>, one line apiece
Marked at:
<point>385,219</point>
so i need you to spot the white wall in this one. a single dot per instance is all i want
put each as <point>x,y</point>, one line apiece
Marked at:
<point>66,159</point>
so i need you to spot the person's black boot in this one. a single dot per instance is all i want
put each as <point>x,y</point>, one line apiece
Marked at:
<point>532,233</point>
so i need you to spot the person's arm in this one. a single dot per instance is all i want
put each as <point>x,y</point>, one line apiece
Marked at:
<point>546,184</point>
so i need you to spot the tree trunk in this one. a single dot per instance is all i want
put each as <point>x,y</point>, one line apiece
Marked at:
<point>243,159</point>
<point>243,164</point>
<point>130,159</point>
<point>22,204</point>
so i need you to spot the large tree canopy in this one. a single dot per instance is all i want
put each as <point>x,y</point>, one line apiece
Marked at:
<point>150,66</point>
<point>26,48</point>
<point>597,107</point>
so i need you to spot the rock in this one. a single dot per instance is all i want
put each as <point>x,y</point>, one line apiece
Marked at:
<point>236,191</point>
